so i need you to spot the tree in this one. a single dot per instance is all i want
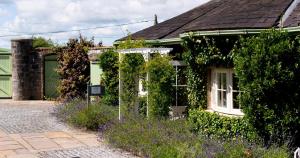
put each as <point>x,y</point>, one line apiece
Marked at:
<point>42,42</point>
<point>74,68</point>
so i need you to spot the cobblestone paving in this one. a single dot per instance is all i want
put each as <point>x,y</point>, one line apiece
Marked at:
<point>82,153</point>
<point>28,118</point>
<point>29,130</point>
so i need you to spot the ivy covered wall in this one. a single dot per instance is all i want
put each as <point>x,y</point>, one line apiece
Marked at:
<point>200,54</point>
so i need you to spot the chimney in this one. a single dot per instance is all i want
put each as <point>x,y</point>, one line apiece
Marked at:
<point>155,20</point>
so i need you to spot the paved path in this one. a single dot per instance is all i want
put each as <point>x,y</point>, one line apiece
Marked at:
<point>28,130</point>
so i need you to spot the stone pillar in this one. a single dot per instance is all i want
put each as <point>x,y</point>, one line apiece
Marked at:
<point>26,71</point>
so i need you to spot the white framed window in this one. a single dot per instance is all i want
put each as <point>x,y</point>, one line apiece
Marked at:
<point>225,92</point>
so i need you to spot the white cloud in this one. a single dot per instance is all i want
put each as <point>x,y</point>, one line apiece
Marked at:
<point>3,12</point>
<point>53,15</point>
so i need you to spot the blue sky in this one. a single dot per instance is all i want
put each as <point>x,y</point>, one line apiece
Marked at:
<point>19,17</point>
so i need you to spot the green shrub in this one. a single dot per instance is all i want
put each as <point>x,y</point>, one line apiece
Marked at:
<point>97,116</point>
<point>221,127</point>
<point>160,86</point>
<point>267,66</point>
<point>157,138</point>
<point>109,62</point>
<point>174,139</point>
<point>152,138</point>
<point>64,111</point>
<point>73,68</point>
<point>143,106</point>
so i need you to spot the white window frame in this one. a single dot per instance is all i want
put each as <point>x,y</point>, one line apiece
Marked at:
<point>229,92</point>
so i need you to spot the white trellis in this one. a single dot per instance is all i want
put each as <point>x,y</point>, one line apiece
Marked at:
<point>297,153</point>
<point>146,54</point>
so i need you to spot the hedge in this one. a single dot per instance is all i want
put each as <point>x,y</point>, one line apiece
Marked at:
<point>214,125</point>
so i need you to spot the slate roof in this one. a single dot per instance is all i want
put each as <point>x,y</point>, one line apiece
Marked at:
<point>220,15</point>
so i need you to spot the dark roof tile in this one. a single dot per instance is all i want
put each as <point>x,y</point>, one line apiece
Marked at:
<point>220,15</point>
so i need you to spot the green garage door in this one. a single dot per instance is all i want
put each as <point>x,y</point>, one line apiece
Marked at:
<point>5,73</point>
<point>51,77</point>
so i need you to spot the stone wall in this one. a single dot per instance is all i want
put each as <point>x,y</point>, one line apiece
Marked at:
<point>27,71</point>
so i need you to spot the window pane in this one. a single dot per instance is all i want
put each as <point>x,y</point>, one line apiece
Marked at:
<point>222,82</point>
<point>173,93</point>
<point>182,96</point>
<point>236,103</point>
<point>219,78</point>
<point>220,98</point>
<point>222,89</point>
<point>224,99</point>
<point>182,75</point>
<point>235,83</point>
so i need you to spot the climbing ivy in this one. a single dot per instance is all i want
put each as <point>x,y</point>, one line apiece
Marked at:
<point>131,67</point>
<point>202,52</point>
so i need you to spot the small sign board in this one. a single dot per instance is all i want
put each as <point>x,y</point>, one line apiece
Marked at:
<point>95,90</point>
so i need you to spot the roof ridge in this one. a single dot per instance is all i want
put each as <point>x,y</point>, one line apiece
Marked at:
<point>287,12</point>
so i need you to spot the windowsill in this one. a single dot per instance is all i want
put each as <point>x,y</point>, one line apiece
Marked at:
<point>226,113</point>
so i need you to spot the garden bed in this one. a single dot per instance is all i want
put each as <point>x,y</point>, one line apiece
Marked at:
<point>161,138</point>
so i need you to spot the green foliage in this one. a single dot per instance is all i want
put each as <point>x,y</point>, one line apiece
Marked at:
<point>143,106</point>
<point>66,110</point>
<point>153,138</point>
<point>131,68</point>
<point>74,68</point>
<point>129,43</point>
<point>109,62</point>
<point>157,138</point>
<point>221,127</point>
<point>97,116</point>
<point>173,139</point>
<point>42,42</point>
<point>268,69</point>
<point>201,53</point>
<point>161,75</point>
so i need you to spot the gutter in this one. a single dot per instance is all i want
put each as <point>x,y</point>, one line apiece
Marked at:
<point>158,41</point>
<point>212,33</point>
<point>236,32</point>
<point>223,32</point>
